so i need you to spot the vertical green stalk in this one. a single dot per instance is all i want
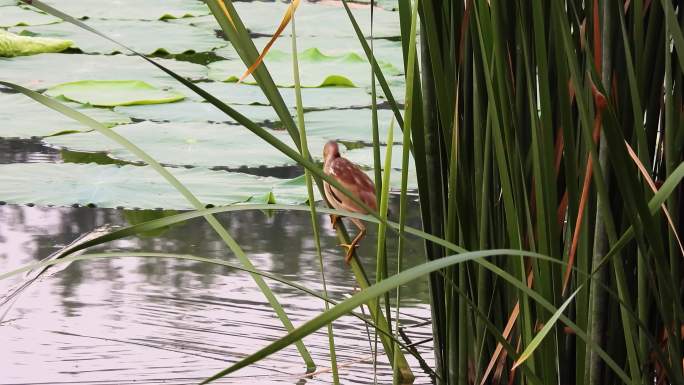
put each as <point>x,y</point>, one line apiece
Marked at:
<point>382,227</point>
<point>312,199</point>
<point>406,148</point>
<point>598,311</point>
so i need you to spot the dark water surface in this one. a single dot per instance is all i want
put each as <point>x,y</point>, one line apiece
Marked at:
<point>147,321</point>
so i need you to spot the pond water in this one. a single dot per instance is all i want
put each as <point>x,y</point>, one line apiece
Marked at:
<point>147,320</point>
<point>144,320</point>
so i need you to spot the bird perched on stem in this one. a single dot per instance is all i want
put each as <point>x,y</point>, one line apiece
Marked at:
<point>356,182</point>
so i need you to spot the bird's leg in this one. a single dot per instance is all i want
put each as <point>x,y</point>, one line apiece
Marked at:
<point>350,247</point>
<point>333,219</point>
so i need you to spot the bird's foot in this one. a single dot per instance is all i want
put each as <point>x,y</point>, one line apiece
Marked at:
<point>350,251</point>
<point>333,219</point>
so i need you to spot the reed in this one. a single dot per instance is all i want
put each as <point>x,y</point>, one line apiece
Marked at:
<point>548,140</point>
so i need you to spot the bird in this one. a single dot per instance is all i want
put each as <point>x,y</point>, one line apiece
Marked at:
<point>354,180</point>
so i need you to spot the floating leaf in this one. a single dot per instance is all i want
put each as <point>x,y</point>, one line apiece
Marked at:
<point>23,117</point>
<point>312,98</point>
<point>388,51</point>
<point>317,19</point>
<point>12,45</point>
<point>317,69</point>
<point>186,144</point>
<point>175,39</point>
<point>110,93</point>
<point>346,125</point>
<point>364,157</point>
<point>30,71</point>
<point>67,184</point>
<point>131,9</point>
<point>13,16</point>
<point>190,111</point>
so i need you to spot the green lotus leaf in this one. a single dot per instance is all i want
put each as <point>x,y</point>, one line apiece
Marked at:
<point>347,125</point>
<point>317,19</point>
<point>111,93</point>
<point>192,111</point>
<point>23,117</point>
<point>312,98</point>
<point>364,157</point>
<point>397,86</point>
<point>12,16</point>
<point>67,184</point>
<point>389,5</point>
<point>32,71</point>
<point>388,51</point>
<point>131,9</point>
<point>173,39</point>
<point>12,45</point>
<point>316,69</point>
<point>188,144</point>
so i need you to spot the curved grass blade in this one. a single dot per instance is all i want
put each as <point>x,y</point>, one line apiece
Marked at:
<point>544,331</point>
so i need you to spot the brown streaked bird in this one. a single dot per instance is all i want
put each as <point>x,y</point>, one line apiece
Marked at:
<point>356,182</point>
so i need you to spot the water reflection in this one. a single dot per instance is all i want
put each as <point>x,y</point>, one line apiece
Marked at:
<point>26,151</point>
<point>164,320</point>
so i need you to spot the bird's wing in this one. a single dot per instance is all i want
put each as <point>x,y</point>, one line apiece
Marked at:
<point>356,181</point>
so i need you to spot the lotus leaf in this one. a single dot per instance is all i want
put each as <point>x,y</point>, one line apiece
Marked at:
<point>347,125</point>
<point>30,71</point>
<point>188,144</point>
<point>397,86</point>
<point>4,3</point>
<point>173,39</point>
<point>384,50</point>
<point>43,121</point>
<point>12,16</point>
<point>364,157</point>
<point>312,98</point>
<point>131,9</point>
<point>67,184</point>
<point>12,45</point>
<point>390,5</point>
<point>189,111</point>
<point>110,93</point>
<point>316,69</point>
<point>317,19</point>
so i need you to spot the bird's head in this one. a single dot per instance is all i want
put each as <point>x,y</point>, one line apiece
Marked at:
<point>330,150</point>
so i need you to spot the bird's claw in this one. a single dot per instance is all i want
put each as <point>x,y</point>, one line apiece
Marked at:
<point>333,219</point>
<point>350,251</point>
